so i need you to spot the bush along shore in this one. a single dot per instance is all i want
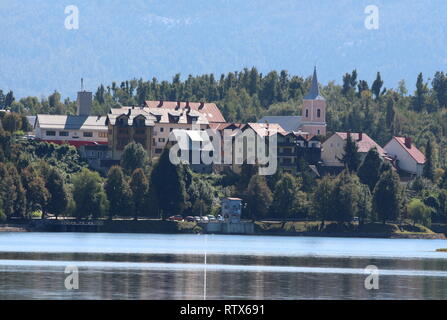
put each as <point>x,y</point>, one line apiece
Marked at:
<point>272,228</point>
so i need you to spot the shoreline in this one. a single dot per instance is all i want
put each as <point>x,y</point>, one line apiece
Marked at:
<point>169,227</point>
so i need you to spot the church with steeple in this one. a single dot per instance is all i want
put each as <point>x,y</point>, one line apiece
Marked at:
<point>313,115</point>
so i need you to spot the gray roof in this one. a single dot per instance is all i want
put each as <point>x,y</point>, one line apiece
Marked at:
<point>63,122</point>
<point>288,123</point>
<point>314,92</point>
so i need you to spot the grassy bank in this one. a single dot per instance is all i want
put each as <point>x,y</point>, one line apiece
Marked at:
<point>315,228</point>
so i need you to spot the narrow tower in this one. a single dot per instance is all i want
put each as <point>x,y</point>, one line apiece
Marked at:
<point>314,110</point>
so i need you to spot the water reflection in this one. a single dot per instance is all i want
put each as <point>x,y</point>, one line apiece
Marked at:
<point>131,276</point>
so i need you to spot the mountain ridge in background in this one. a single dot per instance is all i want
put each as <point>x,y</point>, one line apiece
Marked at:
<point>119,41</point>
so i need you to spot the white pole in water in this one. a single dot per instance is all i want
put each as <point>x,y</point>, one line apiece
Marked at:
<point>204,275</point>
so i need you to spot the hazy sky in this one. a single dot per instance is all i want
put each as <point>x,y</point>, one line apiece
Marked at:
<point>121,40</point>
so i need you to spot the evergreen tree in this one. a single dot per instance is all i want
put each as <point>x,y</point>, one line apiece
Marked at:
<point>139,185</point>
<point>369,171</point>
<point>439,84</point>
<point>169,186</point>
<point>351,156</point>
<point>259,197</point>
<point>118,193</point>
<point>420,95</point>
<point>390,115</point>
<point>429,169</point>
<point>377,85</point>
<point>386,197</point>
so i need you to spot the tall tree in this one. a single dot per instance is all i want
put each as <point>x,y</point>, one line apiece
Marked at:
<point>420,95</point>
<point>88,195</point>
<point>439,84</point>
<point>377,86</point>
<point>323,199</point>
<point>351,156</point>
<point>169,186</point>
<point>369,171</point>
<point>118,193</point>
<point>386,197</point>
<point>286,197</point>
<point>37,195</point>
<point>134,157</point>
<point>259,197</point>
<point>429,168</point>
<point>58,200</point>
<point>347,192</point>
<point>139,185</point>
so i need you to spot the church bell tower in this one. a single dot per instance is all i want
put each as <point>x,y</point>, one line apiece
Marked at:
<point>313,118</point>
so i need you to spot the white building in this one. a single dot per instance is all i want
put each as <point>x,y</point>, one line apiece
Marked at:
<point>409,158</point>
<point>75,130</point>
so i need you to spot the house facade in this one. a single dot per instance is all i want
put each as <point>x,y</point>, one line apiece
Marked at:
<point>333,148</point>
<point>408,158</point>
<point>74,130</point>
<point>133,126</point>
<point>78,130</point>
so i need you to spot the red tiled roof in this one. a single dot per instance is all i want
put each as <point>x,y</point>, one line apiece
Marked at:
<point>414,152</point>
<point>363,145</point>
<point>223,126</point>
<point>209,110</point>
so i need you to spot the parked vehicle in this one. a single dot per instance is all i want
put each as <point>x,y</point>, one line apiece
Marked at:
<point>205,219</point>
<point>190,219</point>
<point>220,218</point>
<point>212,218</point>
<point>355,219</point>
<point>197,219</point>
<point>176,218</point>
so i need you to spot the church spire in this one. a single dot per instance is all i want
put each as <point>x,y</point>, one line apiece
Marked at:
<point>314,92</point>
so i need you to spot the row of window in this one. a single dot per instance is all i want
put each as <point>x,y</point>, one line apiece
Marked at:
<point>87,134</point>
<point>318,113</point>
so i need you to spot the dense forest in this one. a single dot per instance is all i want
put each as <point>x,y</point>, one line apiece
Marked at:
<point>369,190</point>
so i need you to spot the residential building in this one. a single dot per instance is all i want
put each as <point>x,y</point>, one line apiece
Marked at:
<point>333,148</point>
<point>313,114</point>
<point>135,125</point>
<point>74,130</point>
<point>408,158</point>
<point>79,130</point>
<point>208,110</point>
<point>166,120</point>
<point>293,146</point>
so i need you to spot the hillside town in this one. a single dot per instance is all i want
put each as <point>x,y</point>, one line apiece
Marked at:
<point>102,139</point>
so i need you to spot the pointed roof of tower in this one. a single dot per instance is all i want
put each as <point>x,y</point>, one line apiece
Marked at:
<point>314,92</point>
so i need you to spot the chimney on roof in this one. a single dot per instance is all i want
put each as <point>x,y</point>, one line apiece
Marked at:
<point>129,112</point>
<point>160,104</point>
<point>360,136</point>
<point>178,105</point>
<point>408,142</point>
<point>348,135</point>
<point>202,104</point>
<point>187,103</point>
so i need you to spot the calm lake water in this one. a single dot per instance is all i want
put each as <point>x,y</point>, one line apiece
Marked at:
<point>153,266</point>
